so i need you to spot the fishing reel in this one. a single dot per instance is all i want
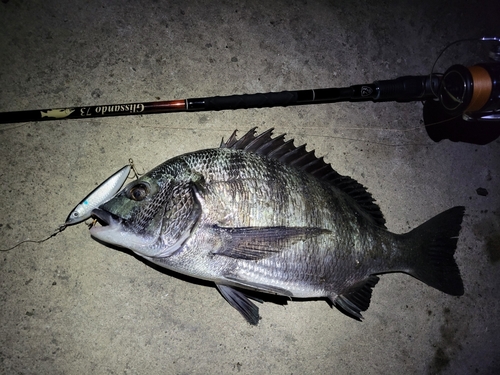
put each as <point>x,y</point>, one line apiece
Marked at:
<point>466,106</point>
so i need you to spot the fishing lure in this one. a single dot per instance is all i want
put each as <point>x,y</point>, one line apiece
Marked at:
<point>94,199</point>
<point>98,196</point>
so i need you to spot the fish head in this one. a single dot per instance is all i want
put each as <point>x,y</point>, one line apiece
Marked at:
<point>152,216</point>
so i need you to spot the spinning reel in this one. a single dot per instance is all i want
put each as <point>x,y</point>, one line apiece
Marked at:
<point>466,105</point>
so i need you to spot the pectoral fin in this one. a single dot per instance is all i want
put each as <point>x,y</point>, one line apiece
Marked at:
<point>241,303</point>
<point>253,243</point>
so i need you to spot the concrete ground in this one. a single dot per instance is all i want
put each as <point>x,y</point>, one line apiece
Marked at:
<point>73,306</point>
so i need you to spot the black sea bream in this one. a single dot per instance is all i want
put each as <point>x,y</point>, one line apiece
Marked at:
<point>260,214</point>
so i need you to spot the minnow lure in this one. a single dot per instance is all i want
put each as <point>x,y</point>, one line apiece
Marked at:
<point>98,196</point>
<point>94,199</point>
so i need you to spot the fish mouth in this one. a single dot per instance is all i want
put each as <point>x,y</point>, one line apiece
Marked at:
<point>108,224</point>
<point>112,230</point>
<point>105,218</point>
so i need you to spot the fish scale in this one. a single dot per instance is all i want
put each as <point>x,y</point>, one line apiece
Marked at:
<point>260,214</point>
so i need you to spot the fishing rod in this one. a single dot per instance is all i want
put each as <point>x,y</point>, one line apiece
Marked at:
<point>407,88</point>
<point>463,104</point>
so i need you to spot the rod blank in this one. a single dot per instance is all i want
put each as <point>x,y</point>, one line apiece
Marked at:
<point>408,88</point>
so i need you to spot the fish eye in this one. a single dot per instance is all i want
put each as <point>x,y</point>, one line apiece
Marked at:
<point>138,192</point>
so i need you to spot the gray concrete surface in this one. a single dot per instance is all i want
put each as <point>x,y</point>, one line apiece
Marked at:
<point>73,306</point>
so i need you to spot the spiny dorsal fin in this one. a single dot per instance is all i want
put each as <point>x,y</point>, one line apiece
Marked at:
<point>286,152</point>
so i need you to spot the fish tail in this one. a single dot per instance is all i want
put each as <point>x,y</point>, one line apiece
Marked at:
<point>432,246</point>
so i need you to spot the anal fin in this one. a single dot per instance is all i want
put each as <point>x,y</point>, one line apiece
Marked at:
<point>241,303</point>
<point>356,298</point>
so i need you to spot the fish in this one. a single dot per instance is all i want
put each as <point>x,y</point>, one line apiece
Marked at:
<point>98,196</point>
<point>57,113</point>
<point>258,214</point>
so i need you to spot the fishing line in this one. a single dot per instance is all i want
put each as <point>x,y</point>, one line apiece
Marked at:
<point>441,53</point>
<point>56,232</point>
<point>372,142</point>
<point>366,129</point>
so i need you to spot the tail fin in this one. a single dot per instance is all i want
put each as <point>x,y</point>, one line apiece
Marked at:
<point>432,246</point>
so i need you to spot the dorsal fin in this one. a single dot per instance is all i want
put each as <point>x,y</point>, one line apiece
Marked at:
<point>285,151</point>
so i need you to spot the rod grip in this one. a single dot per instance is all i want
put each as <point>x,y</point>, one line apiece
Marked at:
<point>245,101</point>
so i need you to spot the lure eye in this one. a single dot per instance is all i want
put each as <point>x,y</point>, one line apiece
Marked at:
<point>138,192</point>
